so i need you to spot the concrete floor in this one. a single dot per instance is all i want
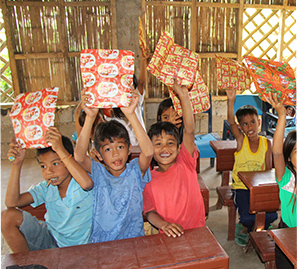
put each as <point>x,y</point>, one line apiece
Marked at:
<point>217,219</point>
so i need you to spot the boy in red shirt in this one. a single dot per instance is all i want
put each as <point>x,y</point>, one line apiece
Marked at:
<point>172,200</point>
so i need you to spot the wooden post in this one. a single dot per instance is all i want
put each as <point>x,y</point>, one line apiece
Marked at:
<point>13,66</point>
<point>281,33</point>
<point>114,24</point>
<point>239,31</point>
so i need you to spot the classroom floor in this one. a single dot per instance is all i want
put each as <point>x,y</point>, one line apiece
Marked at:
<point>217,219</point>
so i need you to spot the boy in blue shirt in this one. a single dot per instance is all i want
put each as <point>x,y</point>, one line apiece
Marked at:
<point>64,192</point>
<point>118,185</point>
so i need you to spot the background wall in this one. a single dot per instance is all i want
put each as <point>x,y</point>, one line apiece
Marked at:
<point>65,121</point>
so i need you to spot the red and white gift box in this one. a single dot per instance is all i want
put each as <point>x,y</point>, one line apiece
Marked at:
<point>31,115</point>
<point>108,76</point>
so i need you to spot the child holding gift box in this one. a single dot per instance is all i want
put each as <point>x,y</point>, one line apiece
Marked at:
<point>117,114</point>
<point>118,185</point>
<point>65,194</point>
<point>284,153</point>
<point>173,200</point>
<point>253,153</point>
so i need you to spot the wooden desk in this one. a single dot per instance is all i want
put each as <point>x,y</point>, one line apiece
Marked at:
<point>197,248</point>
<point>264,194</point>
<point>225,154</point>
<point>286,241</point>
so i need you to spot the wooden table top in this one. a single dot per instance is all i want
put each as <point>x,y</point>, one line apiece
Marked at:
<point>264,190</point>
<point>223,145</point>
<point>286,239</point>
<point>197,248</point>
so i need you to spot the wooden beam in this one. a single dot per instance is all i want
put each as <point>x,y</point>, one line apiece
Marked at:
<point>114,24</point>
<point>282,25</point>
<point>12,60</point>
<point>239,31</point>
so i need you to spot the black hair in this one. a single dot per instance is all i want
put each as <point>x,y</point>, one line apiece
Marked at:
<point>166,126</point>
<point>66,143</point>
<point>110,130</point>
<point>246,110</point>
<point>288,147</point>
<point>165,104</point>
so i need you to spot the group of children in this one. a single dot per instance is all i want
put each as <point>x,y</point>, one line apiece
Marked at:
<point>103,198</point>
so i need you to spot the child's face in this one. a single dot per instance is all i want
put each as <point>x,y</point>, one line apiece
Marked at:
<point>53,169</point>
<point>170,115</point>
<point>115,155</point>
<point>165,150</point>
<point>250,125</point>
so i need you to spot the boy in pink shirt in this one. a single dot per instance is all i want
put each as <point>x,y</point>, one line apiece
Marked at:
<point>172,201</point>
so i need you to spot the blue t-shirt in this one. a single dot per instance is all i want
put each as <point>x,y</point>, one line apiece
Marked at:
<point>117,208</point>
<point>69,219</point>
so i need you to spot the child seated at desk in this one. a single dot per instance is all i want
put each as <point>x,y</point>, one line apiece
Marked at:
<point>64,192</point>
<point>118,185</point>
<point>173,200</point>
<point>285,163</point>
<point>253,153</point>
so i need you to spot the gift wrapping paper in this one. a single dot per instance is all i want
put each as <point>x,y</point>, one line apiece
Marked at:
<point>232,75</point>
<point>142,41</point>
<point>171,60</point>
<point>199,97</point>
<point>108,76</point>
<point>272,76</point>
<point>31,115</point>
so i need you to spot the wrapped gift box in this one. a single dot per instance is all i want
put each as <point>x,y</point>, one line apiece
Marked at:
<point>272,76</point>
<point>31,115</point>
<point>108,76</point>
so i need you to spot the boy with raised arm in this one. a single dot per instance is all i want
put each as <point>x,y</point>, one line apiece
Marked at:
<point>253,153</point>
<point>173,200</point>
<point>65,193</point>
<point>118,185</point>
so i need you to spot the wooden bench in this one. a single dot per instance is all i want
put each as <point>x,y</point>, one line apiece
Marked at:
<point>264,246</point>
<point>226,198</point>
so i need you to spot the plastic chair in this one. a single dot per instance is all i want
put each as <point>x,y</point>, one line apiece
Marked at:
<point>202,141</point>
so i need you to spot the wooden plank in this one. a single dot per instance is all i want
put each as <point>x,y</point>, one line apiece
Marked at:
<point>114,25</point>
<point>282,25</point>
<point>239,31</point>
<point>13,66</point>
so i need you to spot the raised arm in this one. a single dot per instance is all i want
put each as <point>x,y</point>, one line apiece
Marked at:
<point>188,118</point>
<point>231,95</point>
<point>144,142</point>
<point>54,137</point>
<point>278,138</point>
<point>13,196</point>
<point>82,144</point>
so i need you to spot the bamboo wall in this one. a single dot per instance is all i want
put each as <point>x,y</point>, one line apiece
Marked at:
<point>44,38</point>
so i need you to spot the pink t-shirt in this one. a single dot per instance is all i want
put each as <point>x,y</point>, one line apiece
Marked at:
<point>175,194</point>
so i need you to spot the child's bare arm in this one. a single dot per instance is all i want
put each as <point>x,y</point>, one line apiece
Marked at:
<point>188,118</point>
<point>77,114</point>
<point>231,95</point>
<point>82,143</point>
<point>144,142</point>
<point>54,137</point>
<point>268,156</point>
<point>170,229</point>
<point>13,196</point>
<point>277,147</point>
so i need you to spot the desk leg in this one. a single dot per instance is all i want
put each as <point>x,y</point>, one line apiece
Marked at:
<point>225,182</point>
<point>259,221</point>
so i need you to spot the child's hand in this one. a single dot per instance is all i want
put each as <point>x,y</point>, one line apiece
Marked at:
<point>133,103</point>
<point>172,229</point>
<point>90,111</point>
<point>54,137</point>
<point>278,106</point>
<point>178,89</point>
<point>174,117</point>
<point>16,153</point>
<point>231,95</point>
